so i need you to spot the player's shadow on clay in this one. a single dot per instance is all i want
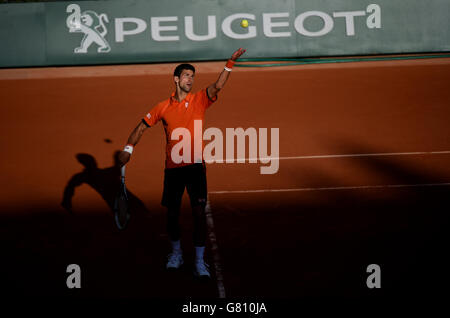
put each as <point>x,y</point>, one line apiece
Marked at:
<point>105,181</point>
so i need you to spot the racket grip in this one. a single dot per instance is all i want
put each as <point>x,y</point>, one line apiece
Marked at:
<point>122,171</point>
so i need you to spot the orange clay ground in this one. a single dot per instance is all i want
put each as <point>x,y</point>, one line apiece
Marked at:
<point>329,218</point>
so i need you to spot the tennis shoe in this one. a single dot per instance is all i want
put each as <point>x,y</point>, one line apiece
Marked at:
<point>201,269</point>
<point>175,260</point>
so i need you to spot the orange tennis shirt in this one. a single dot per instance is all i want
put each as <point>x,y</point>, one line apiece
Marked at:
<point>173,115</point>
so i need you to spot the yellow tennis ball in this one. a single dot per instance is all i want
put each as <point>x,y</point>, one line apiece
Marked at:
<point>244,23</point>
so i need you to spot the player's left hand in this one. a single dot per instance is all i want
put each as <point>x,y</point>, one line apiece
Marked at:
<point>237,54</point>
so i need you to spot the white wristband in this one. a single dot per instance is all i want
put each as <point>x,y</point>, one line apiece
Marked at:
<point>227,69</point>
<point>129,149</point>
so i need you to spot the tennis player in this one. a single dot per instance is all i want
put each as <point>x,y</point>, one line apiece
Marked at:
<point>179,111</point>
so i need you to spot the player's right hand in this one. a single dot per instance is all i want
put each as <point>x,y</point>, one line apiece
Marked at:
<point>124,157</point>
<point>237,54</point>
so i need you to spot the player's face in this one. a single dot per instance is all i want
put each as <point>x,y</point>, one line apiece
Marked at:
<point>186,80</point>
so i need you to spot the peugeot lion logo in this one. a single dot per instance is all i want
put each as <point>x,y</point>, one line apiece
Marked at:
<point>92,25</point>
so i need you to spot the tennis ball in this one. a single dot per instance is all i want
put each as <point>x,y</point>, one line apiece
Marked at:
<point>244,23</point>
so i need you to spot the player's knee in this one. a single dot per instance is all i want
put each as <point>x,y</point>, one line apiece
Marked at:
<point>198,205</point>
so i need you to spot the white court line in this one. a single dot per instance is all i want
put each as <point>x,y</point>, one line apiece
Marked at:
<point>336,188</point>
<point>354,155</point>
<point>215,250</point>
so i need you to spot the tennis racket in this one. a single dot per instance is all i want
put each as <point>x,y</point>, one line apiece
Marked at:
<point>121,209</point>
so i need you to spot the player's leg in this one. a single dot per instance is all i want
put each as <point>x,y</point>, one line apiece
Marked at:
<point>173,226</point>
<point>200,229</point>
<point>172,195</point>
<point>197,190</point>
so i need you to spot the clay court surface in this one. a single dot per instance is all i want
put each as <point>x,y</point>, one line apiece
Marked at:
<point>364,178</point>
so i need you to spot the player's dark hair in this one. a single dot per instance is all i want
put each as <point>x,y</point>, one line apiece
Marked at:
<point>182,67</point>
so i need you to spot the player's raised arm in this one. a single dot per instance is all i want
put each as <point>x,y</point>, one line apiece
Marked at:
<point>214,88</point>
<point>125,155</point>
